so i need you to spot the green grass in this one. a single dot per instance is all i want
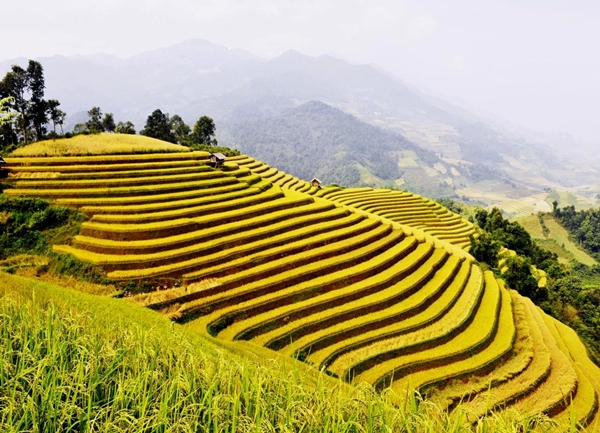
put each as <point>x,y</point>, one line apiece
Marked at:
<point>557,239</point>
<point>561,236</point>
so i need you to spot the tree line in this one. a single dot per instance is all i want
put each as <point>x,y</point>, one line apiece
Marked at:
<point>583,225</point>
<point>26,116</point>
<point>174,130</point>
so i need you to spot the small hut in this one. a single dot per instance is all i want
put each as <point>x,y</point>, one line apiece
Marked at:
<point>316,183</point>
<point>217,159</point>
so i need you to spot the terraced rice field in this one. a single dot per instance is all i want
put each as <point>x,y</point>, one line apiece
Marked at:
<point>401,207</point>
<point>367,285</point>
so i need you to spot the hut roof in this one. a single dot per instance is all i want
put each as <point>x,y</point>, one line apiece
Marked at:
<point>315,180</point>
<point>218,155</point>
<point>2,161</point>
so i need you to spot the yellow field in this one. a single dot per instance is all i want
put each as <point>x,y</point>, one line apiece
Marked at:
<point>369,285</point>
<point>98,144</point>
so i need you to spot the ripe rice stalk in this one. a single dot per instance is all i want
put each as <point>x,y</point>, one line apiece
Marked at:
<point>481,323</point>
<point>98,144</point>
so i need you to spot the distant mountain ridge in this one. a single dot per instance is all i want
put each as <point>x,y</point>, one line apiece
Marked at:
<point>317,140</point>
<point>233,86</point>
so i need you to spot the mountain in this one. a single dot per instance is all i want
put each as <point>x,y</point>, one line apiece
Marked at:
<point>317,140</point>
<point>197,77</point>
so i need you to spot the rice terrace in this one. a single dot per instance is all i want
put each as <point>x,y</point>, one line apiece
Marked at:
<point>334,289</point>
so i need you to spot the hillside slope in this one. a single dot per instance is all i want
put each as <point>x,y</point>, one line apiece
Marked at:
<point>320,274</point>
<point>316,140</point>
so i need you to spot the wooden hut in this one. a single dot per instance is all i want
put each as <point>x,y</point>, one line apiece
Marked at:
<point>316,182</point>
<point>217,159</point>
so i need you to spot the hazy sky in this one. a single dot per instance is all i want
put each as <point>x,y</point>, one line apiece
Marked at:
<point>534,62</point>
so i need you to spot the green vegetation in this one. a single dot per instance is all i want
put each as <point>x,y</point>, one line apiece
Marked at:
<point>173,129</point>
<point>28,229</point>
<point>552,236</point>
<point>583,225</point>
<point>26,114</point>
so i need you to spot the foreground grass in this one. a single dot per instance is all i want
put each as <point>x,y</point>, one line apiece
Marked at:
<point>98,144</point>
<point>70,361</point>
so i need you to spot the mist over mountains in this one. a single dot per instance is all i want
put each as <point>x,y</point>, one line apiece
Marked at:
<point>252,101</point>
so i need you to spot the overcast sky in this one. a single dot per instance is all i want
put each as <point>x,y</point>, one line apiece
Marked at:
<point>534,62</point>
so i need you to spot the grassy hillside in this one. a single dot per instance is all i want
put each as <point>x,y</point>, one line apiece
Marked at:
<point>555,238</point>
<point>367,285</point>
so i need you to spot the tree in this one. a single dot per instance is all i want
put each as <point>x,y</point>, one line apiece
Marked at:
<point>180,129</point>
<point>37,107</point>
<point>518,276</point>
<point>125,128</point>
<point>57,116</point>
<point>485,249</point>
<point>8,116</point>
<point>94,125</point>
<point>27,86</point>
<point>14,85</point>
<point>204,131</point>
<point>108,123</point>
<point>158,126</point>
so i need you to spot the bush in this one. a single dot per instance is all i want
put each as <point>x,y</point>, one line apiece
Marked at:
<point>215,149</point>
